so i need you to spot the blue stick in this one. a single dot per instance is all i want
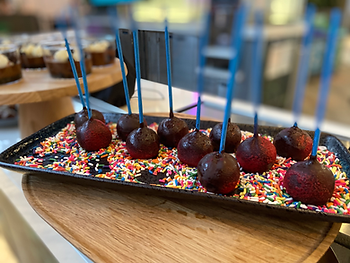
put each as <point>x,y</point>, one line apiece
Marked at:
<point>75,73</point>
<point>168,63</point>
<point>239,21</point>
<point>82,63</point>
<point>326,73</point>
<point>138,75</point>
<point>303,69</point>
<point>203,42</point>
<point>63,27</point>
<point>114,19</point>
<point>257,66</point>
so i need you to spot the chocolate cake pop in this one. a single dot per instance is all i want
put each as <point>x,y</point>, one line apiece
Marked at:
<point>233,137</point>
<point>218,172</point>
<point>82,116</point>
<point>171,130</point>
<point>143,143</point>
<point>193,147</point>
<point>256,154</point>
<point>126,124</point>
<point>294,143</point>
<point>309,182</point>
<point>93,135</point>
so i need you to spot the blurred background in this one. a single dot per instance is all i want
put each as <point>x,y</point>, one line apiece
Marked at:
<point>284,28</point>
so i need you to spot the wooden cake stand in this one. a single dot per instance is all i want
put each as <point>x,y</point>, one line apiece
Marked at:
<point>43,99</point>
<point>116,226</point>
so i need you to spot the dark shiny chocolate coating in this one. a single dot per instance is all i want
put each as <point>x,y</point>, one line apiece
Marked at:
<point>218,172</point>
<point>64,70</point>
<point>294,143</point>
<point>309,182</point>
<point>82,116</point>
<point>103,58</point>
<point>93,135</point>
<point>256,154</point>
<point>32,62</point>
<point>143,143</point>
<point>233,137</point>
<point>171,130</point>
<point>193,147</point>
<point>126,124</point>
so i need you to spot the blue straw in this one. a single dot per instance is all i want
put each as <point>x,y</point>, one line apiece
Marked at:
<point>82,63</point>
<point>168,63</point>
<point>203,42</point>
<point>138,75</point>
<point>303,69</point>
<point>238,26</point>
<point>114,19</point>
<point>326,73</point>
<point>62,25</point>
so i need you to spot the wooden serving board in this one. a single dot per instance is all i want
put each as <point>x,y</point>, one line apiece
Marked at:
<point>111,226</point>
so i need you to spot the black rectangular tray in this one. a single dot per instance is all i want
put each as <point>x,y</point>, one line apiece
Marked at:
<point>25,147</point>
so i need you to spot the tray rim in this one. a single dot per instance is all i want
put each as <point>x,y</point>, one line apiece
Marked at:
<point>168,191</point>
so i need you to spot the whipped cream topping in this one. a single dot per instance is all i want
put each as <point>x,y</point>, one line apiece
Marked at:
<point>4,61</point>
<point>62,56</point>
<point>99,46</point>
<point>32,50</point>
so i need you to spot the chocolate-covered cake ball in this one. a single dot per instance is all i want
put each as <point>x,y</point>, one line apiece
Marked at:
<point>193,147</point>
<point>294,143</point>
<point>143,143</point>
<point>126,124</point>
<point>93,135</point>
<point>171,131</point>
<point>256,154</point>
<point>82,116</point>
<point>309,182</point>
<point>218,172</point>
<point>233,137</point>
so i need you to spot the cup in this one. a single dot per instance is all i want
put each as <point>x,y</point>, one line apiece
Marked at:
<point>56,59</point>
<point>10,64</point>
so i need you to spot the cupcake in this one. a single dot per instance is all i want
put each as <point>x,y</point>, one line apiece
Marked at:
<point>10,66</point>
<point>32,56</point>
<point>57,62</point>
<point>102,52</point>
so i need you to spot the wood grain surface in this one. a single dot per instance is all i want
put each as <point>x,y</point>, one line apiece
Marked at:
<point>113,226</point>
<point>38,86</point>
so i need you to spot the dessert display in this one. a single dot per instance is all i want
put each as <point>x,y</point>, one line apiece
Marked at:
<point>233,137</point>
<point>143,143</point>
<point>82,116</point>
<point>310,182</point>
<point>193,147</point>
<point>171,131</point>
<point>10,66</point>
<point>32,56</point>
<point>218,172</point>
<point>126,124</point>
<point>56,60</point>
<point>294,143</point>
<point>102,52</point>
<point>93,135</point>
<point>256,154</point>
<point>62,152</point>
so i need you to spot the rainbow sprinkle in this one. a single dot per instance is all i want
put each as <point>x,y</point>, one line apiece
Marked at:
<point>63,153</point>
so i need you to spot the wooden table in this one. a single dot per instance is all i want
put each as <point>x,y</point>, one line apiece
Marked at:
<point>116,226</point>
<point>43,99</point>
